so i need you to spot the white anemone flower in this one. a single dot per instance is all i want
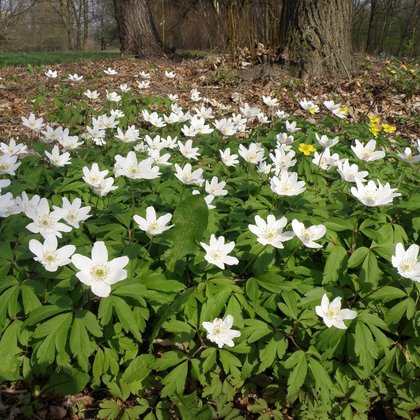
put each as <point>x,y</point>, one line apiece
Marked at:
<point>32,122</point>
<point>113,96</point>
<point>332,314</point>
<point>373,195</point>
<point>8,164</point>
<point>270,231</point>
<point>131,168</point>
<point>309,235</point>
<point>200,126</point>
<point>284,139</point>
<point>170,74</point>
<point>8,205</point>
<point>45,221</point>
<point>254,154</point>
<point>13,148</point>
<point>131,135</point>
<point>350,172</point>
<point>287,184</point>
<point>326,142</point>
<point>217,252</point>
<point>152,224</point>
<point>158,159</point>
<point>215,187</point>
<point>97,272</point>
<point>94,176</point>
<point>195,95</point>
<point>144,84</point>
<point>282,159</point>
<point>325,160</point>
<point>187,150</point>
<point>51,74</point>
<point>281,114</point>
<point>220,331</point>
<point>228,158</point>
<point>269,101</point>
<point>189,177</point>
<point>48,253</point>
<point>406,262</point>
<point>248,111</point>
<point>106,186</point>
<point>367,151</point>
<point>407,156</point>
<point>143,74</point>
<point>27,205</point>
<point>124,88</point>
<point>73,213</point>
<point>225,126</point>
<point>75,77</point>
<point>291,127</point>
<point>91,94</point>
<point>58,159</point>
<point>309,106</point>
<point>110,71</point>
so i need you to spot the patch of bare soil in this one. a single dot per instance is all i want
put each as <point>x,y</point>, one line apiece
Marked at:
<point>223,82</point>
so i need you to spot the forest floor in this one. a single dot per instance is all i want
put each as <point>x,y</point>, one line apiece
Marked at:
<point>394,97</point>
<point>388,90</point>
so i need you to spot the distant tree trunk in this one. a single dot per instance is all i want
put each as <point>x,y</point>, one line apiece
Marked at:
<point>85,22</point>
<point>370,44</point>
<point>138,34</point>
<point>317,36</point>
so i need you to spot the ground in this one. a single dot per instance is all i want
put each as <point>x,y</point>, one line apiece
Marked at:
<point>373,90</point>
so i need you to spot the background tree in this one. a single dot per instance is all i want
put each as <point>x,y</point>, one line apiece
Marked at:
<point>317,36</point>
<point>138,34</point>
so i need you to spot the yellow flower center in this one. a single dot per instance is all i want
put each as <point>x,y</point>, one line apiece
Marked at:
<point>100,272</point>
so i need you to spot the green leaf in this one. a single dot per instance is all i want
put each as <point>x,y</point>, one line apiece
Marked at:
<point>126,316</point>
<point>109,409</point>
<point>297,377</point>
<point>67,381</point>
<point>388,293</point>
<point>210,355</point>
<point>395,314</point>
<point>369,273</point>
<point>190,407</point>
<point>333,266</point>
<point>137,371</point>
<point>322,379</point>
<point>29,299</point>
<point>190,220</point>
<point>169,359</point>
<point>41,313</point>
<point>255,330</point>
<point>174,381</point>
<point>230,362</point>
<point>357,257</point>
<point>365,347</point>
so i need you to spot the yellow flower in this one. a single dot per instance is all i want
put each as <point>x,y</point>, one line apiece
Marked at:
<point>388,128</point>
<point>391,70</point>
<point>374,129</point>
<point>413,71</point>
<point>404,67</point>
<point>374,119</point>
<point>306,149</point>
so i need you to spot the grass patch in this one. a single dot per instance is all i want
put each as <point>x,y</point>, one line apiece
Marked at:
<point>42,58</point>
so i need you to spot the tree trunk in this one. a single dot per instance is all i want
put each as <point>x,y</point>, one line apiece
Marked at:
<point>138,34</point>
<point>317,37</point>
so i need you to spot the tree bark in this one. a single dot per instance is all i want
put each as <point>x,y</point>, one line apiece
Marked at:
<point>138,34</point>
<point>317,37</point>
